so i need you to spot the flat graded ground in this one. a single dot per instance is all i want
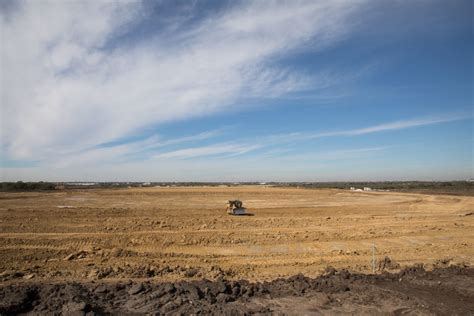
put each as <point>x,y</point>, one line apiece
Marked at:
<point>168,234</point>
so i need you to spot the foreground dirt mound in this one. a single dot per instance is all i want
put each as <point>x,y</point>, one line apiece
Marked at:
<point>412,290</point>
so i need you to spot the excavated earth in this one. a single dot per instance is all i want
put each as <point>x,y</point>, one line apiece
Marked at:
<point>148,250</point>
<point>414,291</point>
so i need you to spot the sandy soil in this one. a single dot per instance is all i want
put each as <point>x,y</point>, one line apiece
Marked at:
<point>167,234</point>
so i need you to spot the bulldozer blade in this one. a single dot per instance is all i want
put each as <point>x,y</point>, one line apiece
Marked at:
<point>241,212</point>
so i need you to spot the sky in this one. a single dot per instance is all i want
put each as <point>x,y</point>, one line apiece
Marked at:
<point>236,90</point>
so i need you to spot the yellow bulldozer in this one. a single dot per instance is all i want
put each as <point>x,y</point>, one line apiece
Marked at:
<point>235,207</point>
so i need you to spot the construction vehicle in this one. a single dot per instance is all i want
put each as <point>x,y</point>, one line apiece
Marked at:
<point>235,207</point>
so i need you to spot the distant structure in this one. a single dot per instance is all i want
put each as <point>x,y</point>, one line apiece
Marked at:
<point>367,189</point>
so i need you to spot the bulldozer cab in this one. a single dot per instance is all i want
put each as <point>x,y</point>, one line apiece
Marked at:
<point>235,204</point>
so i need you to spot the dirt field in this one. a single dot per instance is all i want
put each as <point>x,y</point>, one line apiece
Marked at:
<point>174,233</point>
<point>145,250</point>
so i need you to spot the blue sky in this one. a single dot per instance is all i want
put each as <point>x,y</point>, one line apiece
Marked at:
<point>236,91</point>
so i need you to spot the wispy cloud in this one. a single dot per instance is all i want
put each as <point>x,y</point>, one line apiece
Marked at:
<point>105,85</point>
<point>296,136</point>
<point>397,125</point>
<point>212,150</point>
<point>116,152</point>
<point>72,85</point>
<point>193,138</point>
<point>331,155</point>
<point>146,142</point>
<point>276,146</point>
<point>247,145</point>
<point>389,126</point>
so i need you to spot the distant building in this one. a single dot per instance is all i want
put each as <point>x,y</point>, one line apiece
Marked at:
<point>353,189</point>
<point>367,189</point>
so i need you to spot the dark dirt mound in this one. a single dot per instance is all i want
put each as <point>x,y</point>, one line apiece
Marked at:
<point>412,290</point>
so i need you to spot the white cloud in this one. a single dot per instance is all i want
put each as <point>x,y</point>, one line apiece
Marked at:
<point>403,125</point>
<point>119,153</point>
<point>390,126</point>
<point>211,150</point>
<point>62,91</point>
<point>192,138</point>
<point>148,147</point>
<point>247,145</point>
<point>331,155</point>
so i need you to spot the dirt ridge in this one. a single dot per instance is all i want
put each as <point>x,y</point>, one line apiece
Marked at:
<point>447,290</point>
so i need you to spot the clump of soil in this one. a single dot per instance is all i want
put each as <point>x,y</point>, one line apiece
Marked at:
<point>413,290</point>
<point>388,264</point>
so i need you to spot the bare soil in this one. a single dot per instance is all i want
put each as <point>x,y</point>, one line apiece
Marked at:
<point>74,240</point>
<point>414,291</point>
